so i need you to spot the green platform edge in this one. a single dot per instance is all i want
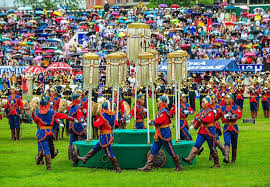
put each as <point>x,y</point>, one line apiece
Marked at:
<point>130,147</point>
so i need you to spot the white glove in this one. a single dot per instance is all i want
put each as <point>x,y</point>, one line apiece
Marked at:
<point>84,111</point>
<point>128,120</point>
<point>186,112</point>
<point>145,109</point>
<point>215,111</point>
<point>84,124</point>
<point>191,112</point>
<point>2,109</point>
<point>61,124</point>
<point>75,120</point>
<point>65,111</point>
<point>191,127</point>
<point>227,116</point>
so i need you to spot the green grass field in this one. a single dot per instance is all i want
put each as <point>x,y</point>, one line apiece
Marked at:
<point>252,168</point>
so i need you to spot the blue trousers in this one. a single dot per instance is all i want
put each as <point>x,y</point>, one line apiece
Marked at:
<point>253,106</point>
<point>184,134</point>
<point>231,137</point>
<point>45,145</point>
<point>75,137</point>
<point>201,138</point>
<point>56,126</point>
<point>167,145</point>
<point>239,102</point>
<point>140,125</point>
<point>107,150</point>
<point>265,105</point>
<point>14,121</point>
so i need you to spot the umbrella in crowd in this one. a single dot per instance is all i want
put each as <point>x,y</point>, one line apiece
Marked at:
<point>34,70</point>
<point>58,66</point>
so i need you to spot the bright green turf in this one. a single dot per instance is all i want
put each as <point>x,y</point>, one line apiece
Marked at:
<point>17,164</point>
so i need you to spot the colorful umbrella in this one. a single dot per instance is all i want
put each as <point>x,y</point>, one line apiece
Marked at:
<point>58,66</point>
<point>34,69</point>
<point>223,4</point>
<point>175,6</point>
<point>250,15</point>
<point>163,6</point>
<point>38,51</point>
<point>229,23</point>
<point>244,7</point>
<point>217,44</point>
<point>249,54</point>
<point>149,22</point>
<point>38,58</point>
<point>122,34</point>
<point>115,14</point>
<point>266,20</point>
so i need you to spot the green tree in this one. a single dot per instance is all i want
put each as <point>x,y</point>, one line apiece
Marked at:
<point>52,4</point>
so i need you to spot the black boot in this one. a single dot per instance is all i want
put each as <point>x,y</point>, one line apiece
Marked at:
<point>48,162</point>
<point>87,156</point>
<point>177,163</point>
<point>13,134</point>
<point>116,164</point>
<point>226,156</point>
<point>17,133</point>
<point>149,164</point>
<point>216,160</point>
<point>52,151</point>
<point>234,151</point>
<point>220,146</point>
<point>210,156</point>
<point>39,157</point>
<point>191,155</point>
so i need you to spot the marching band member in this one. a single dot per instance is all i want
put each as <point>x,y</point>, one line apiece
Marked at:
<point>44,117</point>
<point>185,110</point>
<point>162,136</point>
<point>253,103</point>
<point>205,121</point>
<point>127,93</point>
<point>265,99</point>
<point>222,92</point>
<point>76,128</point>
<point>231,113</point>
<point>192,94</point>
<point>240,89</point>
<point>106,122</point>
<point>83,101</point>
<point>203,91</point>
<point>140,112</point>
<point>5,91</point>
<point>14,109</point>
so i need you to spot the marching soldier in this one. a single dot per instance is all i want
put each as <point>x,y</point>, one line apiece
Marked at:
<point>222,92</point>
<point>205,121</point>
<point>51,84</point>
<point>94,94</point>
<point>142,90</point>
<point>38,90</point>
<point>162,136</point>
<point>67,92</point>
<point>14,109</point>
<point>218,113</point>
<point>44,117</point>
<point>83,101</point>
<point>121,109</point>
<point>213,88</point>
<point>5,91</point>
<point>160,90</point>
<point>140,112</point>
<point>231,113</point>
<point>106,122</point>
<point>76,128</point>
<point>191,93</point>
<point>54,105</point>
<point>265,99</point>
<point>185,110</point>
<point>107,93</point>
<point>170,92</point>
<point>127,93</point>
<point>203,91</point>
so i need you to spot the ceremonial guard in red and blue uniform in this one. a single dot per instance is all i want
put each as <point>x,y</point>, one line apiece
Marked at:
<point>106,122</point>
<point>222,92</point>
<point>231,113</point>
<point>213,88</point>
<point>54,105</point>
<point>239,92</point>
<point>140,112</point>
<point>253,101</point>
<point>185,110</point>
<point>44,117</point>
<point>266,100</point>
<point>14,111</point>
<point>76,128</point>
<point>83,102</point>
<point>121,110</point>
<point>218,113</point>
<point>163,136</point>
<point>205,121</point>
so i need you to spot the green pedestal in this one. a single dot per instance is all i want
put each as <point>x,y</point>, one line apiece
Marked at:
<point>130,147</point>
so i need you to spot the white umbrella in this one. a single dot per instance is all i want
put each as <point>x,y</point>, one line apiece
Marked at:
<point>25,8</point>
<point>244,7</point>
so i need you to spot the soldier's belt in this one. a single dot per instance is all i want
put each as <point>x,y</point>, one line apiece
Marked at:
<point>139,120</point>
<point>170,95</point>
<point>230,123</point>
<point>160,93</point>
<point>203,93</point>
<point>102,132</point>
<point>46,127</point>
<point>192,90</point>
<point>127,97</point>
<point>163,126</point>
<point>208,125</point>
<point>183,118</point>
<point>239,94</point>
